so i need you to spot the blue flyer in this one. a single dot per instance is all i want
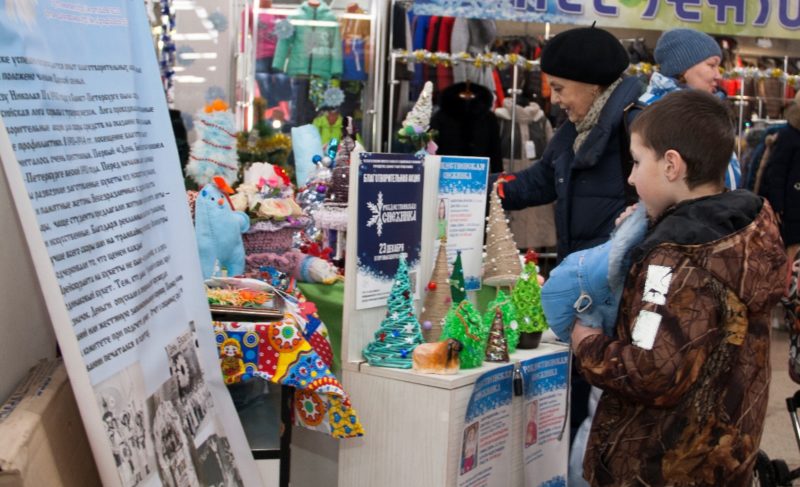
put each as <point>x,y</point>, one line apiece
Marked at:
<point>389,222</point>
<point>546,433</point>
<point>460,212</point>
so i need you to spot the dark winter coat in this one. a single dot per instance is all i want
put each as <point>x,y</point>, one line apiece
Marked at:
<point>781,180</point>
<point>685,381</point>
<point>468,127</point>
<point>588,188</point>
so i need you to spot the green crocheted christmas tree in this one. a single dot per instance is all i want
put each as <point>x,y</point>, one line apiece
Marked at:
<point>510,324</point>
<point>527,300</point>
<point>463,323</point>
<point>399,333</point>
<point>458,289</point>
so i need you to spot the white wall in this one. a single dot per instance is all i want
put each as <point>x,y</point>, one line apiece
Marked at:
<point>25,331</point>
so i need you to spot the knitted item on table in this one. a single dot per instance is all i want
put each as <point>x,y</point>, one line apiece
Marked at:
<point>399,332</point>
<point>510,325</point>
<point>497,345</point>
<point>527,300</point>
<point>463,323</point>
<point>339,186</point>
<point>437,297</point>
<point>501,266</point>
<point>305,268</point>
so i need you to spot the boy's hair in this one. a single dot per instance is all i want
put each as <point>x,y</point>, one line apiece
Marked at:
<point>697,125</point>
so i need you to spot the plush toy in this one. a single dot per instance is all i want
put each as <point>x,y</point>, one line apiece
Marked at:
<point>219,230</point>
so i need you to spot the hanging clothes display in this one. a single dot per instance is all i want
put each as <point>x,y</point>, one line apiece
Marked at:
<point>466,124</point>
<point>473,36</point>
<point>532,227</point>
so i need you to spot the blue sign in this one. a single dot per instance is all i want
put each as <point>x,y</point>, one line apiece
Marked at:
<point>389,223</point>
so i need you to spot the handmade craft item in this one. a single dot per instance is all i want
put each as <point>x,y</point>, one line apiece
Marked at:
<point>501,265</point>
<point>437,358</point>
<point>214,151</point>
<point>437,297</point>
<point>219,228</point>
<point>463,323</point>
<point>503,303</point>
<point>497,346</point>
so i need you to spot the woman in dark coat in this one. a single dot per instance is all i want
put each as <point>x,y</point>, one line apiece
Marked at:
<point>585,167</point>
<point>781,183</point>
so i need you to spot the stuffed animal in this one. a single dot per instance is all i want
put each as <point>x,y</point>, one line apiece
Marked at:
<point>219,230</point>
<point>437,358</point>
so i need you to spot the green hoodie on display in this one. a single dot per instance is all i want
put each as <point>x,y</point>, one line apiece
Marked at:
<point>311,49</point>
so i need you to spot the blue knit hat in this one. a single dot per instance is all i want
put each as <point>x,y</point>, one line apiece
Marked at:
<point>679,49</point>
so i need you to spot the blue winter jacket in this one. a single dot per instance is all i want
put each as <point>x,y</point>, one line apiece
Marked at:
<point>588,187</point>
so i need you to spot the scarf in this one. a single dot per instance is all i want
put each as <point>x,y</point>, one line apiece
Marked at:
<point>590,120</point>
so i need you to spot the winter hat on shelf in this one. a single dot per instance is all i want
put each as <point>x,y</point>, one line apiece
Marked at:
<point>679,49</point>
<point>588,283</point>
<point>587,54</point>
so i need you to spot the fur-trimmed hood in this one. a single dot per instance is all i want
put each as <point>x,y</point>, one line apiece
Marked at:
<point>455,106</point>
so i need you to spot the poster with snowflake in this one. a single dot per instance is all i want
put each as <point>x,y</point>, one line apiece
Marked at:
<point>389,224</point>
<point>461,209</point>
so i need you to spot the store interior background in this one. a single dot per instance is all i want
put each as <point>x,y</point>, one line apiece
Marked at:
<point>211,64</point>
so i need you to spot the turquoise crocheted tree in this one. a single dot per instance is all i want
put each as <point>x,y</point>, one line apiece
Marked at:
<point>527,300</point>
<point>399,333</point>
<point>463,323</point>
<point>510,323</point>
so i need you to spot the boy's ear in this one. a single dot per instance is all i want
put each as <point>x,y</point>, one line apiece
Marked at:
<point>674,166</point>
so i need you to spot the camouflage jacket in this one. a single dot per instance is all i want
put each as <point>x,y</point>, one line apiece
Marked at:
<point>686,380</point>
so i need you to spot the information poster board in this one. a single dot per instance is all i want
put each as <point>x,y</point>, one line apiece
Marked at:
<point>460,212</point>
<point>390,223</point>
<point>89,153</point>
<point>546,433</point>
<point>485,456</point>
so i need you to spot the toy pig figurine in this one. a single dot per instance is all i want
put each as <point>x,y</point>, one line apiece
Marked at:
<point>219,229</point>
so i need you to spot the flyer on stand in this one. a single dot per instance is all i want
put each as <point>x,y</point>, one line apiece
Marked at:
<point>546,433</point>
<point>389,222</point>
<point>485,455</point>
<point>89,153</point>
<point>460,212</point>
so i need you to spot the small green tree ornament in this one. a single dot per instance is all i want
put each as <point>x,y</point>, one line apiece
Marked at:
<point>399,333</point>
<point>463,323</point>
<point>510,324</point>
<point>458,290</point>
<point>527,300</point>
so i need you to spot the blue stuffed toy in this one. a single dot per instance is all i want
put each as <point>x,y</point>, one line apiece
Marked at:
<point>219,230</point>
<point>588,283</point>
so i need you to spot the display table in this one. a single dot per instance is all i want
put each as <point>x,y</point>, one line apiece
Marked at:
<point>414,425</point>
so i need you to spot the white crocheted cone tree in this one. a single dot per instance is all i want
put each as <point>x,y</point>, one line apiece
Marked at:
<point>501,266</point>
<point>497,345</point>
<point>214,151</point>
<point>420,116</point>
<point>463,323</point>
<point>399,332</point>
<point>437,297</point>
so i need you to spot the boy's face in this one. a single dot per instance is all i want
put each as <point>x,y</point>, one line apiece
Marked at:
<point>649,178</point>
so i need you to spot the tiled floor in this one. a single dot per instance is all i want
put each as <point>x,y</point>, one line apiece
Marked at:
<point>778,440</point>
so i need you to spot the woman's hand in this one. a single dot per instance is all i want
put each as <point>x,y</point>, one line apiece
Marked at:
<point>625,214</point>
<point>580,332</point>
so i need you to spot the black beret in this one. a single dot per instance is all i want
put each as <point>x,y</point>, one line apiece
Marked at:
<point>587,54</point>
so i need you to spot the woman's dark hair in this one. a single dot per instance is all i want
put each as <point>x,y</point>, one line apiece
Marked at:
<point>697,125</point>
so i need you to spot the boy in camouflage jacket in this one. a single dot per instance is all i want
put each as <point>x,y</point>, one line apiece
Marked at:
<point>685,381</point>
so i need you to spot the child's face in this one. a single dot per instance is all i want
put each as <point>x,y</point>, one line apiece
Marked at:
<point>649,178</point>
